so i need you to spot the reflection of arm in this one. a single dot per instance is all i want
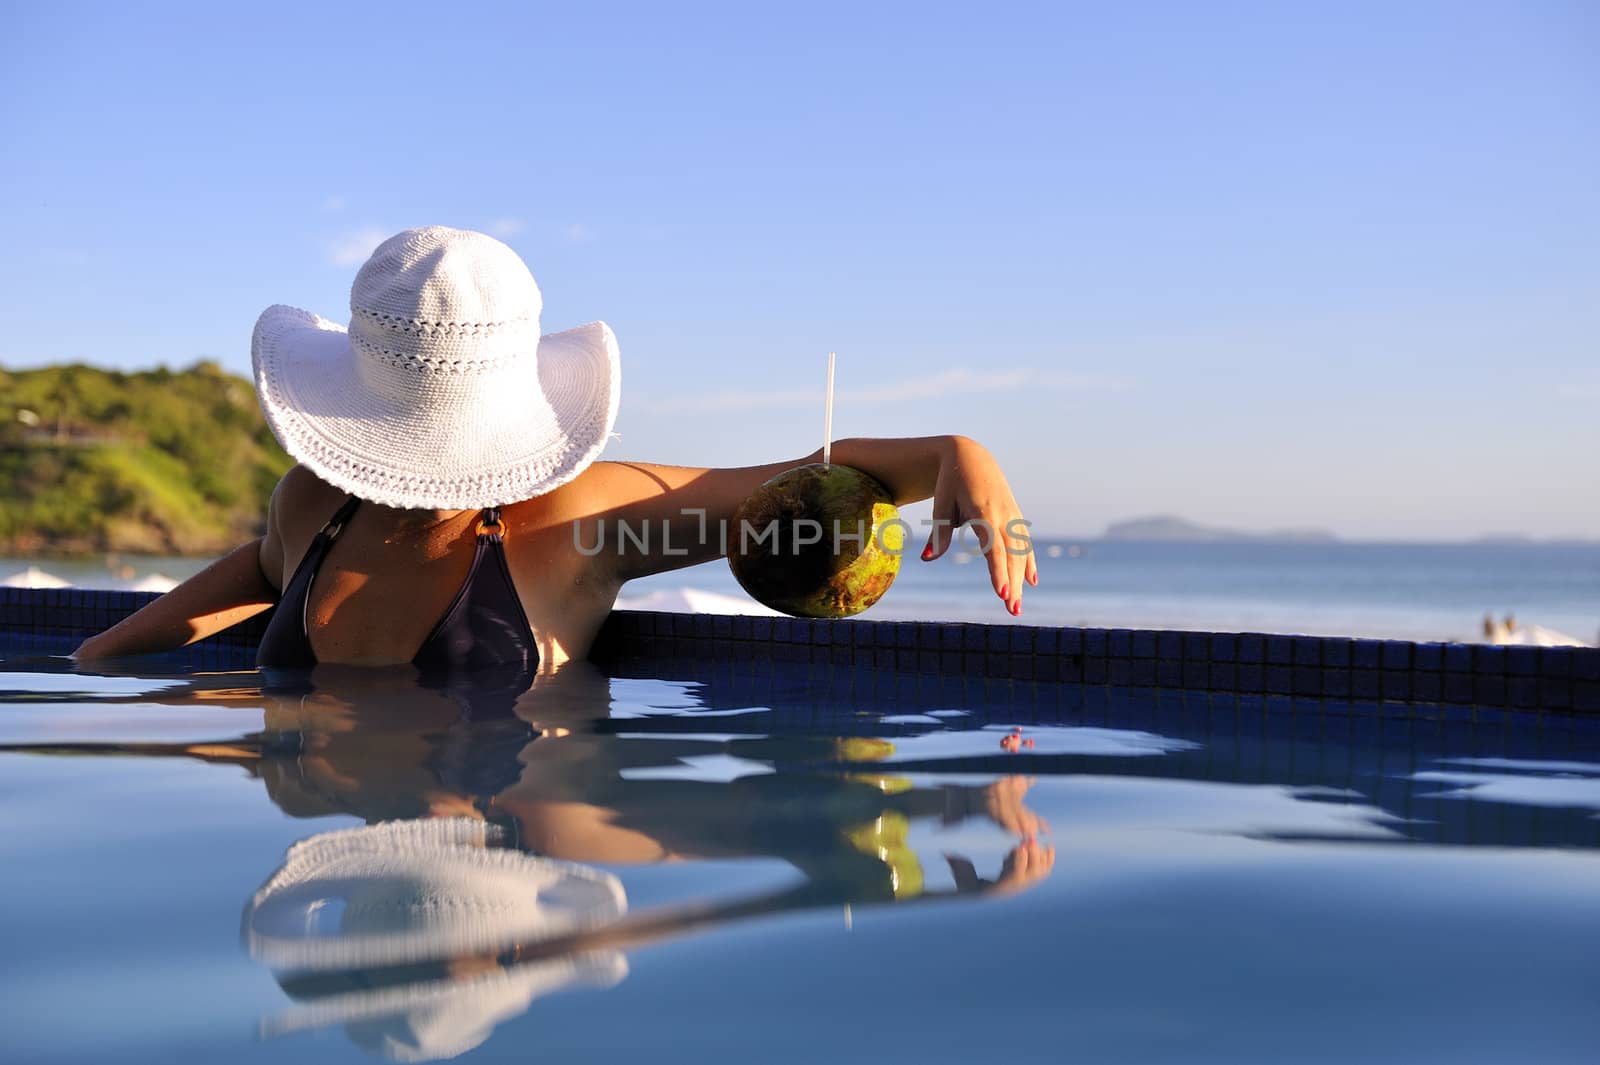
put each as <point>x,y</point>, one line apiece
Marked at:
<point>642,929</point>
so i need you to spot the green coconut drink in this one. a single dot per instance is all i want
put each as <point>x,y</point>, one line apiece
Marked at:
<point>818,541</point>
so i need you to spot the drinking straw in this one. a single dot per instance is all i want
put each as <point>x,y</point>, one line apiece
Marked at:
<point>827,416</point>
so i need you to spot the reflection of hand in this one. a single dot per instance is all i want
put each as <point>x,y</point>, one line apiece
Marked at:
<point>1028,863</point>
<point>1003,803</point>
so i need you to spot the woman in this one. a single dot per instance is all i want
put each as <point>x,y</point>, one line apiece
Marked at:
<point>447,476</point>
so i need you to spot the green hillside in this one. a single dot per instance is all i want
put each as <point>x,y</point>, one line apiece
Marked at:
<point>160,461</point>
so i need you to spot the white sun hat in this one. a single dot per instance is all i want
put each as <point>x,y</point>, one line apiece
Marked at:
<point>364,900</point>
<point>441,394</point>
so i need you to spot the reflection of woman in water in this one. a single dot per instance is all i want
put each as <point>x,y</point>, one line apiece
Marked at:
<point>549,771</point>
<point>541,779</point>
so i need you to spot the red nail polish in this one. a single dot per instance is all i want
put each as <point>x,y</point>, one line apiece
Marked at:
<point>1004,588</point>
<point>1016,610</point>
<point>927,553</point>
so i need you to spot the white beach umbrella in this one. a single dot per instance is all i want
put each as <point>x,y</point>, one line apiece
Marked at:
<point>34,577</point>
<point>155,582</point>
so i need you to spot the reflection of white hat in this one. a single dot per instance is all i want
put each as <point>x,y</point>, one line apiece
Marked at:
<point>441,393</point>
<point>420,891</point>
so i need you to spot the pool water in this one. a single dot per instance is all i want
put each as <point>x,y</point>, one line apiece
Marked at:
<point>354,867</point>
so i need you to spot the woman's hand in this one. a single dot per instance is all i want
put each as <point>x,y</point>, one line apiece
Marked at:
<point>971,489</point>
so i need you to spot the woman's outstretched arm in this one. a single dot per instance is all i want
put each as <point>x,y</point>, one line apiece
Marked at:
<point>694,504</point>
<point>223,594</point>
<point>232,589</point>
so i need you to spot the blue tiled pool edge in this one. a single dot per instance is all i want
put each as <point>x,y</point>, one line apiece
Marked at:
<point>1563,679</point>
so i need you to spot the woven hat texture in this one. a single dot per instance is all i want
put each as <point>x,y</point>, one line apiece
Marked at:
<point>441,393</point>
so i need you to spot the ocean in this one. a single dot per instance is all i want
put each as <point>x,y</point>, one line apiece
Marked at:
<point>1393,591</point>
<point>1398,591</point>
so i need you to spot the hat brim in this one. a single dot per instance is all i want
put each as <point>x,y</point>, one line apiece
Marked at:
<point>532,426</point>
<point>392,858</point>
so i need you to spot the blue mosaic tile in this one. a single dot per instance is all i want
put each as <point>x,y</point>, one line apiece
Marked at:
<point>1223,648</point>
<point>1070,641</point>
<point>1196,645</point>
<point>905,634</point>
<point>1396,654</point>
<point>1338,652</point>
<point>1396,684</point>
<point>1021,640</point>
<point>1585,663</point>
<point>1119,644</point>
<point>1555,692</point>
<point>1252,648</point>
<point>1522,691</point>
<point>1143,672</point>
<point>1094,671</point>
<point>1555,661</point>
<point>1280,679</point>
<point>1366,654</point>
<point>1458,687</point>
<point>1223,676</point>
<point>999,639</point>
<point>1307,680</point>
<point>1307,651</point>
<point>1427,687</point>
<point>1251,677</point>
<point>1280,650</point>
<point>1365,684</point>
<point>1489,689</point>
<point>1046,643</point>
<point>1143,644</point>
<point>1094,642</point>
<point>973,638</point>
<point>1458,657</point>
<point>1586,696</point>
<point>1487,659</point>
<point>1428,656</point>
<point>1169,673</point>
<point>1522,661</point>
<point>1169,645</point>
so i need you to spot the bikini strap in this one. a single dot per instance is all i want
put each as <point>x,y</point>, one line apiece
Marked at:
<point>330,532</point>
<point>490,526</point>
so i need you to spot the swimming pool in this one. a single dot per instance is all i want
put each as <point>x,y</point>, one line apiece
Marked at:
<point>785,861</point>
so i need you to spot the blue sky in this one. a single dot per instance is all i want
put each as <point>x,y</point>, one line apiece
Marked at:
<point>1266,264</point>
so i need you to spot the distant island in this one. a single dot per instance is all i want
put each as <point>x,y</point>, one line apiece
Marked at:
<point>1169,529</point>
<point>159,462</point>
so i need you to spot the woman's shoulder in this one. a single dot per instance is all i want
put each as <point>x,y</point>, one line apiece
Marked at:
<point>302,499</point>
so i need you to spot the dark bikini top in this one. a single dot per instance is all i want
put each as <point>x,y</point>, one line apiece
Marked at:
<point>484,626</point>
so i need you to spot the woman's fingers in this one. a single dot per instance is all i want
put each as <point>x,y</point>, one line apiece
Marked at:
<point>999,569</point>
<point>945,519</point>
<point>1018,559</point>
